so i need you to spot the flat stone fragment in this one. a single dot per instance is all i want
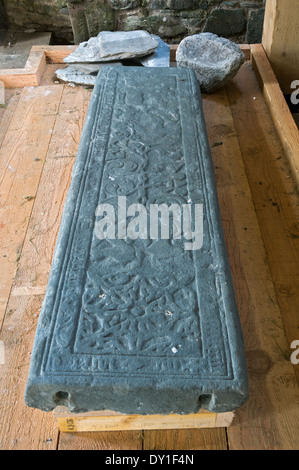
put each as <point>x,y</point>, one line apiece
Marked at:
<point>94,68</point>
<point>71,75</point>
<point>136,323</point>
<point>126,44</point>
<point>161,56</point>
<point>87,51</point>
<point>108,46</point>
<point>215,60</point>
<point>77,75</point>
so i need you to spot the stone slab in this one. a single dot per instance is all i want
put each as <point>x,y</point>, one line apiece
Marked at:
<point>161,56</point>
<point>87,51</point>
<point>119,45</point>
<point>113,46</point>
<point>93,68</point>
<point>82,75</point>
<point>139,326</point>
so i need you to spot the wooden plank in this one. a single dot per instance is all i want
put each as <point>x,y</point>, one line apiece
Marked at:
<point>21,161</point>
<point>38,248</point>
<point>111,421</point>
<point>281,115</point>
<point>69,123</point>
<point>106,441</point>
<point>280,40</point>
<point>49,76</point>
<point>2,94</point>
<point>40,430</point>
<point>12,96</point>
<point>28,76</point>
<point>275,197</point>
<point>21,428</point>
<point>19,78</point>
<point>39,63</point>
<point>55,54</point>
<point>185,439</point>
<point>269,420</point>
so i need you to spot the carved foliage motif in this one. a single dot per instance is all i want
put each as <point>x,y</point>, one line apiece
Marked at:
<point>140,295</point>
<point>141,298</point>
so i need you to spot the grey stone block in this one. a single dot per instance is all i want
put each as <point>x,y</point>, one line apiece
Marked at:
<point>215,60</point>
<point>161,56</point>
<point>225,22</point>
<point>139,326</point>
<point>255,26</point>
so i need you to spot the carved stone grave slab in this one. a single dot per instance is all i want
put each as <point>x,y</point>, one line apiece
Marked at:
<point>144,325</point>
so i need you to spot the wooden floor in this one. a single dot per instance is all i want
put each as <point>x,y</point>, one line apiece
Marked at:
<point>39,132</point>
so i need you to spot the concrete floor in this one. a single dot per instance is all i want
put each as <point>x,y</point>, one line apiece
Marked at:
<point>15,47</point>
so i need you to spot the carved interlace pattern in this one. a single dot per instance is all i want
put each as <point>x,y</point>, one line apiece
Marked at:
<point>141,298</point>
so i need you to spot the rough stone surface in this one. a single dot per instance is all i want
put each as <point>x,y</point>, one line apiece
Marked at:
<point>169,19</point>
<point>126,44</point>
<point>226,22</point>
<point>87,51</point>
<point>89,17</point>
<point>3,19</point>
<point>82,75</point>
<point>92,68</point>
<point>72,75</point>
<point>108,46</point>
<point>215,60</point>
<point>255,26</point>
<point>139,326</point>
<point>41,15</point>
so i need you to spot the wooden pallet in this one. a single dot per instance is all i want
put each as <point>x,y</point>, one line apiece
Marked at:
<point>39,137</point>
<point>112,421</point>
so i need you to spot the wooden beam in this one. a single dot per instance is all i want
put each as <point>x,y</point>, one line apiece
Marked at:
<point>280,40</point>
<point>55,54</point>
<point>28,76</point>
<point>112,421</point>
<point>282,117</point>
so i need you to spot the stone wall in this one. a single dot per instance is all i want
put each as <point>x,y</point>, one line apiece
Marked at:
<point>41,15</point>
<point>240,21</point>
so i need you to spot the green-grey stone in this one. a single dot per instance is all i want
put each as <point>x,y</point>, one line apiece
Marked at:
<point>139,326</point>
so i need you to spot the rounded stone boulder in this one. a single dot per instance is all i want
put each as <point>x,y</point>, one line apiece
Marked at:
<point>215,60</point>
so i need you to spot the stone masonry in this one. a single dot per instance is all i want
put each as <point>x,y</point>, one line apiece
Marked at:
<point>240,21</point>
